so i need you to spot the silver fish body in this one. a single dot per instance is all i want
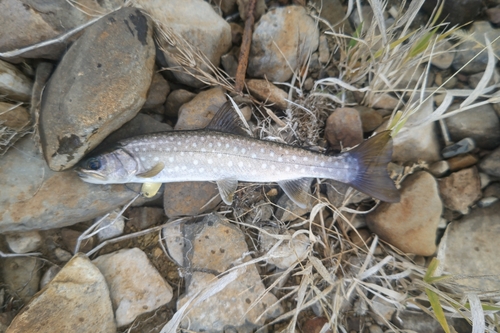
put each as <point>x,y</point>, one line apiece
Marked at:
<point>212,155</point>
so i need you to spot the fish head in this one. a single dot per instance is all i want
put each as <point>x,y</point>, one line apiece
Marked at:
<point>115,167</point>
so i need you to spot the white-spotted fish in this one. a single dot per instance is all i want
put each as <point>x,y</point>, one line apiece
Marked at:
<point>223,152</point>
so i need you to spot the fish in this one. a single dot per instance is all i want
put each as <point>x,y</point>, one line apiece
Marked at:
<point>225,153</point>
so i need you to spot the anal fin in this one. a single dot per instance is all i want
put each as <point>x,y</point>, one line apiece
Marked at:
<point>297,190</point>
<point>227,187</point>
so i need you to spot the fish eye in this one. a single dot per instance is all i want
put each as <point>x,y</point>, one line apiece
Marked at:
<point>94,164</point>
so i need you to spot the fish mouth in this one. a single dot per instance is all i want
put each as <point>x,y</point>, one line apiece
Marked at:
<point>90,176</point>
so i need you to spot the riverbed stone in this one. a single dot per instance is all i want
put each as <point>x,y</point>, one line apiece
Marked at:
<point>39,198</point>
<point>197,113</point>
<point>198,25</point>
<point>490,164</point>
<point>13,83</point>
<point>411,224</point>
<point>460,190</point>
<point>100,84</point>
<point>76,300</point>
<point>281,42</point>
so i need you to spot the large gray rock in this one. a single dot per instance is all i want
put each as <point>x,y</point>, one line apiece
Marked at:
<point>198,24</point>
<point>469,248</point>
<point>28,22</point>
<point>36,197</point>
<point>491,163</point>
<point>282,40</point>
<point>76,300</point>
<point>100,84</point>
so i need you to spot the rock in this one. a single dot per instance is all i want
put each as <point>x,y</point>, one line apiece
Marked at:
<point>461,147</point>
<point>480,123</point>
<point>474,79</point>
<point>288,252</point>
<point>411,224</point>
<point>175,100</point>
<point>13,116</point>
<point>227,6</point>
<point>139,125</point>
<point>197,24</point>
<point>469,249</point>
<point>413,76</point>
<point>336,192</point>
<point>135,285</point>
<point>283,32</point>
<point>456,13</point>
<point>422,322</point>
<point>370,119</point>
<point>13,83</point>
<point>25,23</point>
<point>267,92</point>
<point>414,141</point>
<point>343,128</point>
<point>493,15</point>
<point>491,163</point>
<point>111,226</point>
<point>49,275</point>
<point>91,94</point>
<point>288,210</point>
<point>236,33</point>
<point>484,179</point>
<point>470,48</point>
<point>315,325</point>
<point>492,190</point>
<point>76,300</point>
<point>45,199</point>
<point>333,12</point>
<point>460,190</point>
<point>382,309</point>
<point>323,50</point>
<point>175,241</point>
<point>197,113</point>
<point>216,246</point>
<point>24,242</point>
<point>190,198</point>
<point>486,202</point>
<point>157,93</point>
<point>229,62</point>
<point>21,276</point>
<point>141,218</point>
<point>62,255</point>
<point>443,55</point>
<point>462,161</point>
<point>439,168</point>
<point>385,101</point>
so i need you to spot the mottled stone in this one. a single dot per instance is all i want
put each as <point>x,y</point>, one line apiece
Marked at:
<point>76,300</point>
<point>462,161</point>
<point>281,41</point>
<point>460,190</point>
<point>190,198</point>
<point>157,93</point>
<point>411,224</point>
<point>39,198</point>
<point>135,285</point>
<point>100,84</point>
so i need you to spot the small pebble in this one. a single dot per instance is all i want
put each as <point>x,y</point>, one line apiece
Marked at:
<point>344,129</point>
<point>492,190</point>
<point>49,275</point>
<point>485,202</point>
<point>485,179</point>
<point>24,242</point>
<point>461,147</point>
<point>439,168</point>
<point>112,226</point>
<point>62,255</point>
<point>460,190</point>
<point>462,161</point>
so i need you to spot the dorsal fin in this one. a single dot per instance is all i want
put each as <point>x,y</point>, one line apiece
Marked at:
<point>227,120</point>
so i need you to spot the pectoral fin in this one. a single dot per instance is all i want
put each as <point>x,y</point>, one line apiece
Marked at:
<point>227,187</point>
<point>149,190</point>
<point>153,171</point>
<point>297,190</point>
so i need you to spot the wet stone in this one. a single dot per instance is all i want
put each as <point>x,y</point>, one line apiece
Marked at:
<point>462,147</point>
<point>91,94</point>
<point>460,190</point>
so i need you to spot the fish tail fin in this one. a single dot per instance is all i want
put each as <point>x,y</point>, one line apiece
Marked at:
<point>372,156</point>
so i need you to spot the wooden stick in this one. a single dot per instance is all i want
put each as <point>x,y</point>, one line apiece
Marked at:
<point>245,48</point>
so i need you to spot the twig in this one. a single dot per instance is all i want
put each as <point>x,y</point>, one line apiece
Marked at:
<point>245,48</point>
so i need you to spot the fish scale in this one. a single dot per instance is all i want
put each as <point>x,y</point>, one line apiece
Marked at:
<point>223,152</point>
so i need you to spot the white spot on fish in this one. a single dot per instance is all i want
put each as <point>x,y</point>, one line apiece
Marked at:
<point>262,150</point>
<point>273,166</point>
<point>168,149</point>
<point>240,164</point>
<point>194,144</point>
<point>287,168</point>
<point>330,159</point>
<point>286,151</point>
<point>156,158</point>
<point>153,146</point>
<point>254,156</point>
<point>336,164</point>
<point>264,165</point>
<point>243,150</point>
<point>195,162</point>
<point>182,153</point>
<point>210,161</point>
<point>296,166</point>
<point>190,153</point>
<point>303,170</point>
<point>175,148</point>
<point>305,159</point>
<point>271,154</point>
<point>219,144</point>
<point>170,159</point>
<point>202,138</point>
<point>171,138</point>
<point>294,157</point>
<point>143,159</point>
<point>322,164</point>
<point>183,167</point>
<point>160,149</point>
<point>143,149</point>
<point>201,169</point>
<point>136,149</point>
<point>203,150</point>
<point>179,143</point>
<point>227,145</point>
<point>219,155</point>
<point>176,168</point>
<point>210,145</point>
<point>280,159</point>
<point>230,164</point>
<point>235,149</point>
